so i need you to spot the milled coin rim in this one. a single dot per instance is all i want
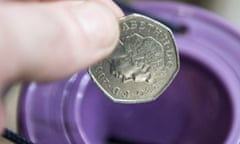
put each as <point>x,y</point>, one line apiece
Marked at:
<point>164,87</point>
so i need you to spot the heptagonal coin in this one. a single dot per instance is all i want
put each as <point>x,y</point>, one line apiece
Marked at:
<point>143,64</point>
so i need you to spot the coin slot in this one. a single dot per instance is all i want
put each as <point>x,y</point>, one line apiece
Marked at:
<point>114,140</point>
<point>182,30</point>
<point>196,108</point>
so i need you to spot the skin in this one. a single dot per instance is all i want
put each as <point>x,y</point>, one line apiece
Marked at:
<point>48,40</point>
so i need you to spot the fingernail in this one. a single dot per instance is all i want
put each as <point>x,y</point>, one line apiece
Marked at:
<point>99,24</point>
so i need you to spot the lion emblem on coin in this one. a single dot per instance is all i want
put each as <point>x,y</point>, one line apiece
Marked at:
<point>136,59</point>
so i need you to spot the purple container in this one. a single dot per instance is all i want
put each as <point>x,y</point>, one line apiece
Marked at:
<point>201,106</point>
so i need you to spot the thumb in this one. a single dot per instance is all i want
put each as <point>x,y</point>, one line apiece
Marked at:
<point>45,41</point>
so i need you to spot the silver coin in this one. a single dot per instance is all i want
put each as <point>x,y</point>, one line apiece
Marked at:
<point>143,64</point>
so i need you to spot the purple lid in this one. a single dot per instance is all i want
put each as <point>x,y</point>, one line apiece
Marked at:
<point>201,106</point>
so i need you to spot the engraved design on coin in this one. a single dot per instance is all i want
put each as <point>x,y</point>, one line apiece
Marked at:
<point>133,60</point>
<point>143,64</point>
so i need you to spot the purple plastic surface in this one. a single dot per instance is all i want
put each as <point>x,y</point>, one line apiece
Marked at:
<point>201,106</point>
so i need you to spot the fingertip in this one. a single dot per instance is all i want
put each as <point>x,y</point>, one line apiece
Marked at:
<point>100,27</point>
<point>115,8</point>
<point>55,40</point>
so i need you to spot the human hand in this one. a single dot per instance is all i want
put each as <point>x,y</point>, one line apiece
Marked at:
<point>44,41</point>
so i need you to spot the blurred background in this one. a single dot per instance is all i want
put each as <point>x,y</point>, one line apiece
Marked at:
<point>228,9</point>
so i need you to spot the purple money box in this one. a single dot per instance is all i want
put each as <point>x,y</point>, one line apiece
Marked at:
<point>201,106</point>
